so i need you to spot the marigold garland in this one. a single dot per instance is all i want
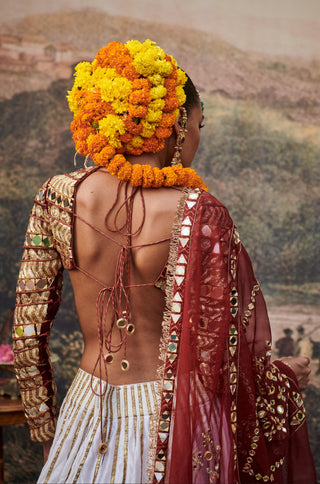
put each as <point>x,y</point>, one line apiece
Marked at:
<point>126,102</point>
<point>153,177</point>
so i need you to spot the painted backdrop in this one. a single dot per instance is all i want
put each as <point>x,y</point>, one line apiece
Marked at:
<point>257,66</point>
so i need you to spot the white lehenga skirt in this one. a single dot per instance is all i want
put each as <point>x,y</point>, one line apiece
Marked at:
<point>128,412</point>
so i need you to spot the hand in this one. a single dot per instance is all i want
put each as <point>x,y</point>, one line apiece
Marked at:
<point>46,449</point>
<point>301,368</point>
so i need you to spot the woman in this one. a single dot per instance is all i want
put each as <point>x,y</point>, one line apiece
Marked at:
<point>153,259</point>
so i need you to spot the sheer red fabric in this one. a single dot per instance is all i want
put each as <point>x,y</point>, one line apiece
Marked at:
<point>235,417</point>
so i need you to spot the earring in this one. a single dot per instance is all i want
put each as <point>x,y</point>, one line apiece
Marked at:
<point>176,160</point>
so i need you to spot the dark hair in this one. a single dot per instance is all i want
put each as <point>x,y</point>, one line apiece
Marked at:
<point>193,98</point>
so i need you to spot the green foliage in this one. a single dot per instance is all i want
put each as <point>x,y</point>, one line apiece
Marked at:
<point>266,171</point>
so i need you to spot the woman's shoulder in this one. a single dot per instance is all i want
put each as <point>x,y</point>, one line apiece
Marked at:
<point>212,209</point>
<point>66,180</point>
<point>62,186</point>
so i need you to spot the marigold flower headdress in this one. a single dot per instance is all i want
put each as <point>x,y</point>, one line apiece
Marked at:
<point>126,102</point>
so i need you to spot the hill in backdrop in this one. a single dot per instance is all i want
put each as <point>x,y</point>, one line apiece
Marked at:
<point>41,48</point>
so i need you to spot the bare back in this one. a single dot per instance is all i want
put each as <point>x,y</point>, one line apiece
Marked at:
<point>97,254</point>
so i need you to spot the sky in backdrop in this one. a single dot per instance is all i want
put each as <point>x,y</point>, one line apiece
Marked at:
<point>278,27</point>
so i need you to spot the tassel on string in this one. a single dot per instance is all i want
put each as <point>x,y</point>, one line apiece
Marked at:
<point>85,164</point>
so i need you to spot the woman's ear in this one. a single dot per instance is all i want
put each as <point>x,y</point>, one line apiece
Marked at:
<point>179,121</point>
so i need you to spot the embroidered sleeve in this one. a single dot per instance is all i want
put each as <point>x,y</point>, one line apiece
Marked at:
<point>273,410</point>
<point>38,298</point>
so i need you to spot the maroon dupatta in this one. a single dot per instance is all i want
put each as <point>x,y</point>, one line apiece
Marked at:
<point>227,414</point>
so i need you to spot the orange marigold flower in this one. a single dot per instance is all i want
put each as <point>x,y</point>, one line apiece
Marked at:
<point>96,143</point>
<point>140,97</point>
<point>130,72</point>
<point>173,74</point>
<point>136,177</point>
<point>99,159</point>
<point>116,163</point>
<point>137,111</point>
<point>170,177</point>
<point>81,147</point>
<point>136,151</point>
<point>171,103</point>
<point>194,180</point>
<point>82,132</point>
<point>163,132</point>
<point>126,137</point>
<point>104,156</point>
<point>141,84</point>
<point>167,120</point>
<point>132,127</point>
<point>170,84</point>
<point>125,171</point>
<point>109,55</point>
<point>151,145</point>
<point>182,176</point>
<point>158,178</point>
<point>147,176</point>
<point>161,145</point>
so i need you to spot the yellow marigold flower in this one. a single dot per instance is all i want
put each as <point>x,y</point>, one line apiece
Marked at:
<point>158,92</point>
<point>73,102</point>
<point>163,67</point>
<point>134,46</point>
<point>145,61</point>
<point>83,67</point>
<point>115,89</point>
<point>112,126</point>
<point>99,74</point>
<point>115,142</point>
<point>181,77</point>
<point>83,75</point>
<point>153,116</point>
<point>120,106</point>
<point>157,104</point>
<point>148,129</point>
<point>136,142</point>
<point>156,80</point>
<point>181,97</point>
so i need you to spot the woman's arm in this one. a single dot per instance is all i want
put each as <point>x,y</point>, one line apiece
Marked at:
<point>300,367</point>
<point>38,298</point>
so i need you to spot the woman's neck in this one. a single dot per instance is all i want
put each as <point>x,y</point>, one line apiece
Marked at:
<point>156,160</point>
